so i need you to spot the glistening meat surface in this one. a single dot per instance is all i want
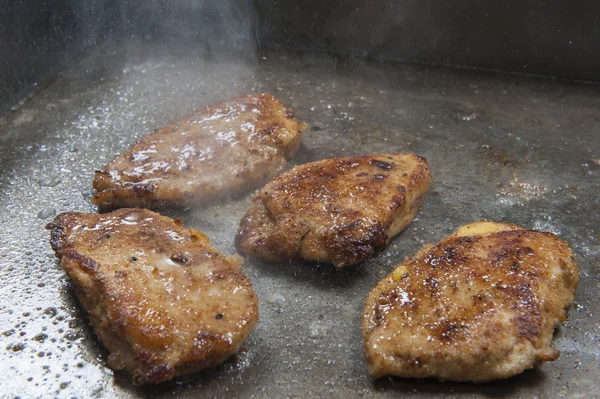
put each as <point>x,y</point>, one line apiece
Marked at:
<point>161,299</point>
<point>220,151</point>
<point>339,210</point>
<point>480,305</point>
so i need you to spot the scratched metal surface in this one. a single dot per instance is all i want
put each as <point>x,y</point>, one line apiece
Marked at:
<point>501,148</point>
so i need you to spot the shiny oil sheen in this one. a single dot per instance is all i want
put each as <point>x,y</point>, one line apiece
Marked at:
<point>308,340</point>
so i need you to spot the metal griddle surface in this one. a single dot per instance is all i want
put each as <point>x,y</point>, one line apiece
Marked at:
<point>506,149</point>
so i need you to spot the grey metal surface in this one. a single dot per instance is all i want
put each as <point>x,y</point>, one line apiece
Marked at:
<point>552,37</point>
<point>36,40</point>
<point>559,38</point>
<point>39,38</point>
<point>501,148</point>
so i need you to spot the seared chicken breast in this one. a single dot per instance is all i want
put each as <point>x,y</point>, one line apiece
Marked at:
<point>161,299</point>
<point>480,305</point>
<point>222,150</point>
<point>338,210</point>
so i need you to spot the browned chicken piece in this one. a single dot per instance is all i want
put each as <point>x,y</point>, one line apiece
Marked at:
<point>480,305</point>
<point>161,299</point>
<point>339,210</point>
<point>222,150</point>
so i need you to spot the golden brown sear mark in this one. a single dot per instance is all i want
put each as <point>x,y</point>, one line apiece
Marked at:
<point>480,305</point>
<point>162,300</point>
<point>339,210</point>
<point>220,151</point>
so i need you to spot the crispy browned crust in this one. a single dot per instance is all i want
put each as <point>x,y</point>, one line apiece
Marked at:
<point>474,307</point>
<point>225,149</point>
<point>162,300</point>
<point>339,210</point>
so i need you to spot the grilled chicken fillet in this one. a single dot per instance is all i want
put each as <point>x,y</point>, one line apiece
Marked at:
<point>480,305</point>
<point>161,299</point>
<point>222,150</point>
<point>338,210</point>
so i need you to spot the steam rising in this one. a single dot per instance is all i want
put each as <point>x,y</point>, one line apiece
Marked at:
<point>216,28</point>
